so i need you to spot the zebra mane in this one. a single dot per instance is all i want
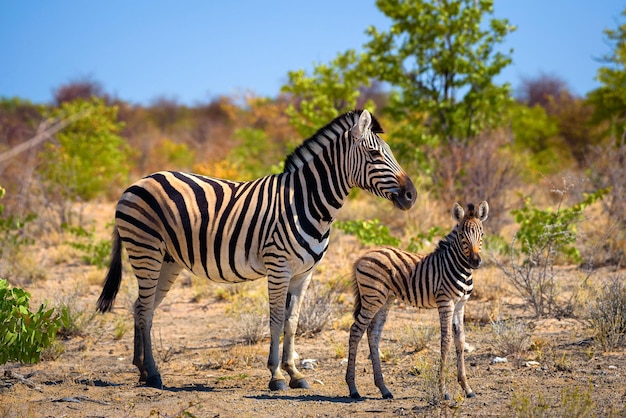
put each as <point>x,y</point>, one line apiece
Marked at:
<point>470,211</point>
<point>445,243</point>
<point>350,118</point>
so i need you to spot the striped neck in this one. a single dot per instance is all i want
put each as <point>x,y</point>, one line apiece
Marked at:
<point>450,248</point>
<point>321,162</point>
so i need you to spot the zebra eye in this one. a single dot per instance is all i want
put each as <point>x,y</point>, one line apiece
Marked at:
<point>375,154</point>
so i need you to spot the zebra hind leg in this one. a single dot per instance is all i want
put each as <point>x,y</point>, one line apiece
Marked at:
<point>374,332</point>
<point>295,296</point>
<point>356,333</point>
<point>143,357</point>
<point>152,290</point>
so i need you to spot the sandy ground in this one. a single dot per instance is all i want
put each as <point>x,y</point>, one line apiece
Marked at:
<point>208,371</point>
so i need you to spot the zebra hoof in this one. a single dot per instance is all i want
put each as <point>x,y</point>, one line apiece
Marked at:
<point>355,395</point>
<point>471,395</point>
<point>278,384</point>
<point>154,381</point>
<point>299,384</point>
<point>387,395</point>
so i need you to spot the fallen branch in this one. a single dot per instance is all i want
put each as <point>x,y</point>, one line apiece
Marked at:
<point>46,132</point>
<point>16,376</point>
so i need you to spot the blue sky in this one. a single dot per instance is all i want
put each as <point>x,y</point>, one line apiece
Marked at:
<point>193,51</point>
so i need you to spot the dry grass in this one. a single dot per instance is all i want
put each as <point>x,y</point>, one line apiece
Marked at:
<point>510,338</point>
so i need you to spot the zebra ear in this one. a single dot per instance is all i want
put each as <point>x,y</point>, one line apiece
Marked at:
<point>483,210</point>
<point>364,124</point>
<point>457,212</point>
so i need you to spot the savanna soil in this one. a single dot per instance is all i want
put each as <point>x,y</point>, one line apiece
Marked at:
<point>208,371</point>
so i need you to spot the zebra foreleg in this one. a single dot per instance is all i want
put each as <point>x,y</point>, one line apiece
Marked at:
<point>374,332</point>
<point>459,344</point>
<point>295,295</point>
<point>445,321</point>
<point>277,292</point>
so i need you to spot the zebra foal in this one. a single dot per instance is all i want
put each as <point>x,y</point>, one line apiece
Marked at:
<point>277,227</point>
<point>441,279</point>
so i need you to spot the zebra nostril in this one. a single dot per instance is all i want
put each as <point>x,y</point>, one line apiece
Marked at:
<point>408,195</point>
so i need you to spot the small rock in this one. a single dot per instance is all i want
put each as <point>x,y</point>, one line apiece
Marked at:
<point>308,363</point>
<point>531,363</point>
<point>343,362</point>
<point>469,348</point>
<point>613,367</point>
<point>499,360</point>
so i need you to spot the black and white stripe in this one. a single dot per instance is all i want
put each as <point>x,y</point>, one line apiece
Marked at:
<point>441,279</point>
<point>227,231</point>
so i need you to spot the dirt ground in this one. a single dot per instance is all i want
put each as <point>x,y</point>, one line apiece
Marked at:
<point>208,371</point>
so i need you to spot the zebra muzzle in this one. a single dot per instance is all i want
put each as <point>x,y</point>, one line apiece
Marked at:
<point>475,261</point>
<point>406,196</point>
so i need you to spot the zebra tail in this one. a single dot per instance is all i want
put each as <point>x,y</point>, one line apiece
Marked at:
<point>114,276</point>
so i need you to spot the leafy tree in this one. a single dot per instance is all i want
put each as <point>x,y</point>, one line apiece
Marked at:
<point>171,155</point>
<point>256,156</point>
<point>610,98</point>
<point>573,116</point>
<point>536,140</point>
<point>440,61</point>
<point>88,157</point>
<point>569,114</point>
<point>331,90</point>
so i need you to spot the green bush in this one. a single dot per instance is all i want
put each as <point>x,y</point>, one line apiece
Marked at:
<point>419,241</point>
<point>370,232</point>
<point>543,236</point>
<point>95,253</point>
<point>89,157</point>
<point>24,334</point>
<point>551,231</point>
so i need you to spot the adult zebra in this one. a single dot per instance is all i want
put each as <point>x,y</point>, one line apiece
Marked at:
<point>441,279</point>
<point>226,231</point>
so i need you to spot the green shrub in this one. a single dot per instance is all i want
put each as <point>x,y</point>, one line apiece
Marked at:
<point>89,157</point>
<point>551,232</point>
<point>24,334</point>
<point>74,319</point>
<point>95,253</point>
<point>419,241</point>
<point>543,236</point>
<point>370,232</point>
